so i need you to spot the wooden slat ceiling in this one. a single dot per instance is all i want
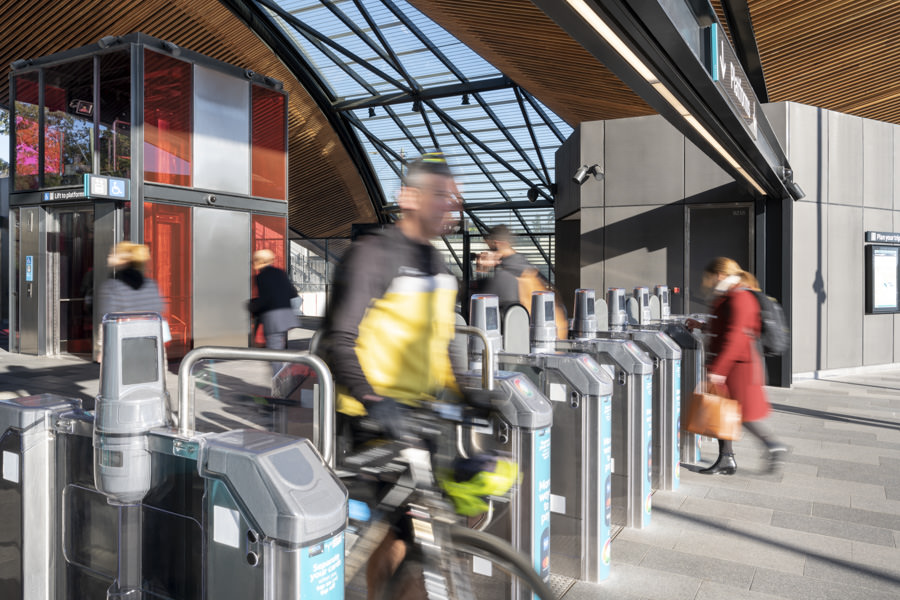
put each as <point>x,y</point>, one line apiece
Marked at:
<point>836,54</point>
<point>326,193</point>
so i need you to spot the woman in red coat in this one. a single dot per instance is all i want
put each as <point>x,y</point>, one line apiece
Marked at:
<point>735,362</point>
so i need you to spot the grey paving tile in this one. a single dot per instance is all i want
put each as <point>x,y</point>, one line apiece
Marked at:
<point>839,529</point>
<point>702,567</point>
<point>892,492</point>
<point>666,499</point>
<point>624,551</point>
<point>790,505</point>
<point>855,515</point>
<point>592,591</point>
<point>736,546</point>
<point>878,557</point>
<point>872,501</point>
<point>649,583</point>
<point>788,585</point>
<point>727,510</point>
<point>711,590</point>
<point>857,575</point>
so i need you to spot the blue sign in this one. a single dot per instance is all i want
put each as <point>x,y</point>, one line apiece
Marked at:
<point>322,570</point>
<point>606,476</point>
<point>540,530</point>
<point>113,188</point>
<point>29,268</point>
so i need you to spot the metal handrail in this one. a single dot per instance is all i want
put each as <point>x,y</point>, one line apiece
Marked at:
<point>323,412</point>
<point>487,355</point>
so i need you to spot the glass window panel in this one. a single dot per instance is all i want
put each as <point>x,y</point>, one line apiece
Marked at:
<point>221,155</point>
<point>167,119</point>
<point>69,122</point>
<point>167,232</point>
<point>26,132</point>
<point>115,114</point>
<point>269,143</point>
<point>271,233</point>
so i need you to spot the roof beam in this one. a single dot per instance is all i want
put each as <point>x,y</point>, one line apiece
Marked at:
<point>442,91</point>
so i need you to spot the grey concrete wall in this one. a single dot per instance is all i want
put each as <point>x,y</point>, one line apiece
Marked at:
<point>846,165</point>
<point>632,224</point>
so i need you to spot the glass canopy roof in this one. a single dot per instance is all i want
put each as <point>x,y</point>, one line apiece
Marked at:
<point>406,86</point>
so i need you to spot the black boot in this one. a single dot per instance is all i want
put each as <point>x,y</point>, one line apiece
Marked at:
<point>724,465</point>
<point>776,459</point>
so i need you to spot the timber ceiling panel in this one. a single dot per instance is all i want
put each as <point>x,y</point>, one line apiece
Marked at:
<point>528,47</point>
<point>837,54</point>
<point>326,193</point>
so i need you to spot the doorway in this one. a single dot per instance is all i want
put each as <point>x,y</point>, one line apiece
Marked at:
<point>70,245</point>
<point>713,230</point>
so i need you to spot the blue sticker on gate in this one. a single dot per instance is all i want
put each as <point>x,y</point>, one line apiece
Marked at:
<point>676,427</point>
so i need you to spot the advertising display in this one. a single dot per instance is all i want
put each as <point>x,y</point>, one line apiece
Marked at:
<point>881,279</point>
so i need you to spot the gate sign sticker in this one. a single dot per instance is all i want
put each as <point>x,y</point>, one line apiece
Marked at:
<point>29,268</point>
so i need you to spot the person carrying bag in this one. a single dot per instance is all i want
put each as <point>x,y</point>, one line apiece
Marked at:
<point>735,369</point>
<point>713,414</point>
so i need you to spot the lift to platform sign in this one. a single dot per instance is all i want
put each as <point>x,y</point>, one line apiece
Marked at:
<point>112,188</point>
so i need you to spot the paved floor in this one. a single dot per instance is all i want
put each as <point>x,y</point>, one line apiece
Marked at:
<point>827,527</point>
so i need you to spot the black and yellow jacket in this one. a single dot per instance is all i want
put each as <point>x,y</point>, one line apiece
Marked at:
<point>390,321</point>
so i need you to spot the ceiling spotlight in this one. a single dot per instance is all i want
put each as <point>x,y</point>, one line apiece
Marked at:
<point>583,171</point>
<point>465,99</point>
<point>417,106</point>
<point>532,195</point>
<point>371,111</point>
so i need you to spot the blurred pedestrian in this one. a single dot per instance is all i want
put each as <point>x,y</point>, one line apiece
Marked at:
<point>129,289</point>
<point>502,267</point>
<point>272,305</point>
<point>735,365</point>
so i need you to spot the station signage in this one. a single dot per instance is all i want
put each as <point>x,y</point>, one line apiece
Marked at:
<point>107,188</point>
<point>726,71</point>
<point>63,195</point>
<point>883,237</point>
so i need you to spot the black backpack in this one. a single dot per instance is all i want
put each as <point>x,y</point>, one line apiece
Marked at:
<point>775,336</point>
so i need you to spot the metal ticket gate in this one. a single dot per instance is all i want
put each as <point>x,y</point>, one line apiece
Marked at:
<point>693,365</point>
<point>580,391</point>
<point>667,374</point>
<point>520,429</point>
<point>143,510</point>
<point>632,424</point>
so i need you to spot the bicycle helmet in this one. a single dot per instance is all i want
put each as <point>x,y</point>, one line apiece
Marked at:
<point>472,480</point>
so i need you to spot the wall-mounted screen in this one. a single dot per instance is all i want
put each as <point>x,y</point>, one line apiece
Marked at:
<point>882,263</point>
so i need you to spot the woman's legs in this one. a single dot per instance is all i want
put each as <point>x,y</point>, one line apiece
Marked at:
<point>725,463</point>
<point>775,448</point>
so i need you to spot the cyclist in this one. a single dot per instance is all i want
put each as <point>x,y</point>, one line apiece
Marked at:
<point>390,321</point>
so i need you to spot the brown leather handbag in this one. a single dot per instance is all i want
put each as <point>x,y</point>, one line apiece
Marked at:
<point>714,415</point>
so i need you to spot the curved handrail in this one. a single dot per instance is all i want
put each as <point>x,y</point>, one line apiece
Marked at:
<point>323,426</point>
<point>487,361</point>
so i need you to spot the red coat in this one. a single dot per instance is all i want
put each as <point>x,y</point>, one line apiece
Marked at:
<point>735,353</point>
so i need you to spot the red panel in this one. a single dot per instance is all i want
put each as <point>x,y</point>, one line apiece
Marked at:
<point>167,119</point>
<point>269,143</point>
<point>27,133</point>
<point>271,233</point>
<point>167,232</point>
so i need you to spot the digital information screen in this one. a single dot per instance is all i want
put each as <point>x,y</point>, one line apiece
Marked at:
<point>882,264</point>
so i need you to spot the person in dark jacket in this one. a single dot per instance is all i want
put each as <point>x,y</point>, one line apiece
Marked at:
<point>735,364</point>
<point>505,264</point>
<point>272,305</point>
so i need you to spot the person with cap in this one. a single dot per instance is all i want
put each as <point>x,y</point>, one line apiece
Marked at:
<point>389,324</point>
<point>272,305</point>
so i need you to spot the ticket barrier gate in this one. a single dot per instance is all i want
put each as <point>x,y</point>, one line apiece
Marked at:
<point>133,509</point>
<point>693,364</point>
<point>520,429</point>
<point>580,392</point>
<point>632,424</point>
<point>667,375</point>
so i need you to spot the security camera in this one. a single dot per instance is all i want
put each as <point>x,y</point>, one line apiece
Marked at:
<point>532,195</point>
<point>581,174</point>
<point>796,191</point>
